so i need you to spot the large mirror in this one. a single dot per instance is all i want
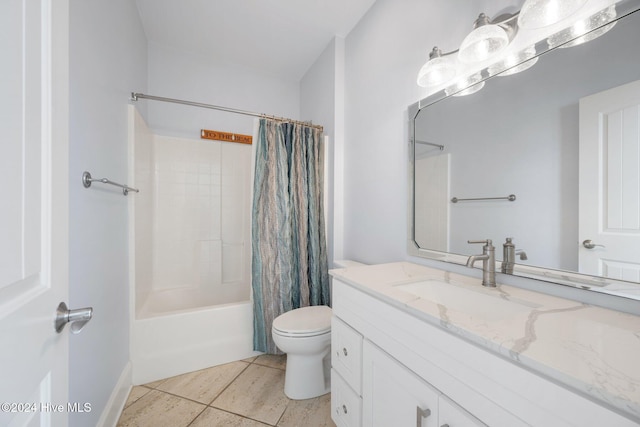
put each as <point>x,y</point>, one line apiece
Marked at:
<point>547,157</point>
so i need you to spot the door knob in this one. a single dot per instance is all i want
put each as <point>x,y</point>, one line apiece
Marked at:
<point>78,318</point>
<point>590,245</point>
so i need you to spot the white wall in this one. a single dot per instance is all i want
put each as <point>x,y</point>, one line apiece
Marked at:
<point>107,62</point>
<point>193,77</point>
<point>322,101</point>
<point>382,57</point>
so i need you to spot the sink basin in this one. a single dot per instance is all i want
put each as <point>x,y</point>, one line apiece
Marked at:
<point>482,304</point>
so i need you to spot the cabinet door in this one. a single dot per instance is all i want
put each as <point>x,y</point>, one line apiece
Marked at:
<point>392,395</point>
<point>452,415</point>
<point>346,353</point>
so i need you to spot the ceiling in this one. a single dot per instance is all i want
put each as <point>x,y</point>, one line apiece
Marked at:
<point>280,38</point>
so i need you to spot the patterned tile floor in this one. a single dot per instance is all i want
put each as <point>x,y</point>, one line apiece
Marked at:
<point>246,393</point>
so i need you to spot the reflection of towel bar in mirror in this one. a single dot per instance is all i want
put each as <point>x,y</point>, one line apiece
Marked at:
<point>441,147</point>
<point>510,197</point>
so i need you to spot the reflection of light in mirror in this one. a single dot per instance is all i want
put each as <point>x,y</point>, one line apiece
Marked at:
<point>465,86</point>
<point>583,31</point>
<point>515,63</point>
<point>541,13</point>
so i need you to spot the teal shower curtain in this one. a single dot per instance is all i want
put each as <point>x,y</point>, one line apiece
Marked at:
<point>289,253</point>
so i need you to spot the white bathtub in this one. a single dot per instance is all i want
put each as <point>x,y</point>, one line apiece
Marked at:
<point>189,310</point>
<point>168,338</point>
<point>178,300</point>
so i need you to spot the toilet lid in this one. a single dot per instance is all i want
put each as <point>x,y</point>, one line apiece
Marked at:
<point>311,320</point>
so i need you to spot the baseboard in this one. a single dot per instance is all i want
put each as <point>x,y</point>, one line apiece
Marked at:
<point>117,400</point>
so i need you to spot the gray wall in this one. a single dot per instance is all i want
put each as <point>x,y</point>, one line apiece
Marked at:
<point>321,102</point>
<point>195,77</point>
<point>107,61</point>
<point>382,57</point>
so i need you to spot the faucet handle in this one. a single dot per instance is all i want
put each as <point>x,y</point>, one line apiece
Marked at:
<point>487,242</point>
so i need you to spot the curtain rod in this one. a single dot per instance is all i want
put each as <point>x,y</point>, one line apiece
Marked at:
<point>135,96</point>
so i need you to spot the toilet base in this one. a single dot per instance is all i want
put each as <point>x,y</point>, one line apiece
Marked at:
<point>316,372</point>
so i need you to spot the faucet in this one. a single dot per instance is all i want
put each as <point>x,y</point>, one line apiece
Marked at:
<point>509,253</point>
<point>488,258</point>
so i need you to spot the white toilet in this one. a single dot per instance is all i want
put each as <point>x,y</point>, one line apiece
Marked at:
<point>305,335</point>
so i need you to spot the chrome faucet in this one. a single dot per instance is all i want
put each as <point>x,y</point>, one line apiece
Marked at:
<point>509,253</point>
<point>488,258</point>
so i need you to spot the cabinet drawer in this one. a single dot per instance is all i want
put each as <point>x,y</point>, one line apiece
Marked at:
<point>346,405</point>
<point>346,357</point>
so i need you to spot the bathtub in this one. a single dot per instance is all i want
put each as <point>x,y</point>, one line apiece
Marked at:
<point>169,338</point>
<point>189,253</point>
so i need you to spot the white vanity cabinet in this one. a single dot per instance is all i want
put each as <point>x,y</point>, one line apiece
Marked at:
<point>395,396</point>
<point>370,388</point>
<point>346,374</point>
<point>393,366</point>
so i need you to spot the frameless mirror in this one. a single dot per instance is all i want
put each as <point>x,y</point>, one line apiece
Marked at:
<point>548,157</point>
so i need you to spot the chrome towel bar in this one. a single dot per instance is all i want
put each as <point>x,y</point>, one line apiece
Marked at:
<point>87,180</point>
<point>510,197</point>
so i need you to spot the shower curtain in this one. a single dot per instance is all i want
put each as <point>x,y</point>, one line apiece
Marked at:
<point>289,254</point>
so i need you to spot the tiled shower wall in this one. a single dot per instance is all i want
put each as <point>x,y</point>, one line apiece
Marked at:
<point>201,206</point>
<point>194,214</point>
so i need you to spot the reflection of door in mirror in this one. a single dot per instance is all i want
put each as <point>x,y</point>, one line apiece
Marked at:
<point>610,183</point>
<point>432,199</point>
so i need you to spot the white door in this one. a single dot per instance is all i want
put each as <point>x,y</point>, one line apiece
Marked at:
<point>610,183</point>
<point>34,211</point>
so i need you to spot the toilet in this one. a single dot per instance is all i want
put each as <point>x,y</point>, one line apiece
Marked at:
<point>305,335</point>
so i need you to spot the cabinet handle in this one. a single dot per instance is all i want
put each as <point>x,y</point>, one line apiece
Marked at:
<point>444,425</point>
<point>421,414</point>
<point>344,350</point>
<point>344,409</point>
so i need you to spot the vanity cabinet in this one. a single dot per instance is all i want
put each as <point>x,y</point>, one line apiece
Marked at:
<point>392,366</point>
<point>346,374</point>
<point>370,388</point>
<point>395,396</point>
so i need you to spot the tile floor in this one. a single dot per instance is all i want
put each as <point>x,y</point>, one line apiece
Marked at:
<point>246,393</point>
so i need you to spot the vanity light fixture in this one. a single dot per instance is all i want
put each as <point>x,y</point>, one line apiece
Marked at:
<point>542,13</point>
<point>488,38</point>
<point>585,30</point>
<point>491,37</point>
<point>438,69</point>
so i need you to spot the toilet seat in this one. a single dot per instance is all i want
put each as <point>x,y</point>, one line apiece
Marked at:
<point>304,322</point>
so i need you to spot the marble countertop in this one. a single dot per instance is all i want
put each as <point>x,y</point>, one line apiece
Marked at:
<point>590,349</point>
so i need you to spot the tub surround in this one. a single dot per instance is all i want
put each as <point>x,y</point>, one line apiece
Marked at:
<point>190,261</point>
<point>587,349</point>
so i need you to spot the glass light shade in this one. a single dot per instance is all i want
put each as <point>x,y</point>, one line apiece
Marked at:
<point>542,13</point>
<point>436,71</point>
<point>515,63</point>
<point>466,86</point>
<point>585,30</point>
<point>482,43</point>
